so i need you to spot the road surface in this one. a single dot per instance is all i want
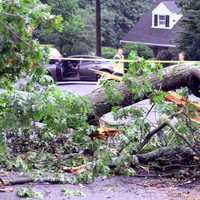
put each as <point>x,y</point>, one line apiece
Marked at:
<point>80,88</point>
<point>115,188</point>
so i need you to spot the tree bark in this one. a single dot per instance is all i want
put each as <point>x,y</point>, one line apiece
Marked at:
<point>165,152</point>
<point>174,77</point>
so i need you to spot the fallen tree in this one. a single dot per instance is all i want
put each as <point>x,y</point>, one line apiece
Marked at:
<point>174,77</point>
<point>101,151</point>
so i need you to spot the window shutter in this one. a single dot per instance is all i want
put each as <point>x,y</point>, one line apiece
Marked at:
<point>167,21</point>
<point>155,20</point>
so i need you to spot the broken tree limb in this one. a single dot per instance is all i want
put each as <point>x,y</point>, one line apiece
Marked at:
<point>163,125</point>
<point>183,138</point>
<point>32,180</point>
<point>174,77</point>
<point>163,152</point>
<point>150,135</point>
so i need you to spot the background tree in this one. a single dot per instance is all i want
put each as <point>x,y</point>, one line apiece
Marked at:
<point>78,36</point>
<point>117,17</point>
<point>190,40</point>
<point>73,26</point>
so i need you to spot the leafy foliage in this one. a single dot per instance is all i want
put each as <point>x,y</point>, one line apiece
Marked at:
<point>142,50</point>
<point>71,193</point>
<point>18,20</point>
<point>44,128</point>
<point>112,93</point>
<point>58,111</point>
<point>108,52</point>
<point>29,193</point>
<point>140,68</point>
<point>73,27</point>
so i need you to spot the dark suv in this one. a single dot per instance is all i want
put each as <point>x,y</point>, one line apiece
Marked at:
<point>69,70</point>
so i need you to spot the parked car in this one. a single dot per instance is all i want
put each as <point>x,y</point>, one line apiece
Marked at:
<point>74,70</point>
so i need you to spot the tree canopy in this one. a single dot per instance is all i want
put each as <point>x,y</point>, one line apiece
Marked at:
<point>73,26</point>
<point>78,34</point>
<point>190,40</point>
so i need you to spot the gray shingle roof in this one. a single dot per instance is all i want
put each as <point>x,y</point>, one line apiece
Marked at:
<point>172,6</point>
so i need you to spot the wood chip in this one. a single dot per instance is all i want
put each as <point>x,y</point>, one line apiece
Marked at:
<point>75,170</point>
<point>103,133</point>
<point>6,189</point>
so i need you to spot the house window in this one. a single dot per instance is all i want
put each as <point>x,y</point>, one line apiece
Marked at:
<point>161,21</point>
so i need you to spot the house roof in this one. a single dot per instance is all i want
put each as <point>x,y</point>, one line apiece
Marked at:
<point>144,33</point>
<point>172,6</point>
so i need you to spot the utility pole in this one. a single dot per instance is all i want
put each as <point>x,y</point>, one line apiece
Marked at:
<point>98,28</point>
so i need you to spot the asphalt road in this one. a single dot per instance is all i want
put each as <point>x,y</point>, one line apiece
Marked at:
<point>80,88</point>
<point>115,188</point>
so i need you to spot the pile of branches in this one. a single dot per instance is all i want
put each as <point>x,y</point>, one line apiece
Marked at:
<point>88,151</point>
<point>178,160</point>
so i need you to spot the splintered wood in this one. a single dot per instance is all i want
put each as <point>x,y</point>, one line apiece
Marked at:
<point>3,184</point>
<point>103,133</point>
<point>75,170</point>
<point>108,75</point>
<point>182,101</point>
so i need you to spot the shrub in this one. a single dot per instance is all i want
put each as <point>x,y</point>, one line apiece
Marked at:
<point>142,50</point>
<point>164,54</point>
<point>108,52</point>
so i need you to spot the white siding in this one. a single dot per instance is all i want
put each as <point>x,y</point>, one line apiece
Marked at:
<point>174,19</point>
<point>161,9</point>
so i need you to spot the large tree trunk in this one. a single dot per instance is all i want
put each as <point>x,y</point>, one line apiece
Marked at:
<point>174,77</point>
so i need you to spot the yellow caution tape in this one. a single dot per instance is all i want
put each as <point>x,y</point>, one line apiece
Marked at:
<point>125,61</point>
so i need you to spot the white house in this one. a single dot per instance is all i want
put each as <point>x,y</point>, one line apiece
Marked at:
<point>159,27</point>
<point>166,15</point>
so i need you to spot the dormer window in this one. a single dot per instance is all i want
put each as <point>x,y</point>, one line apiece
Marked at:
<point>165,15</point>
<point>162,21</point>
